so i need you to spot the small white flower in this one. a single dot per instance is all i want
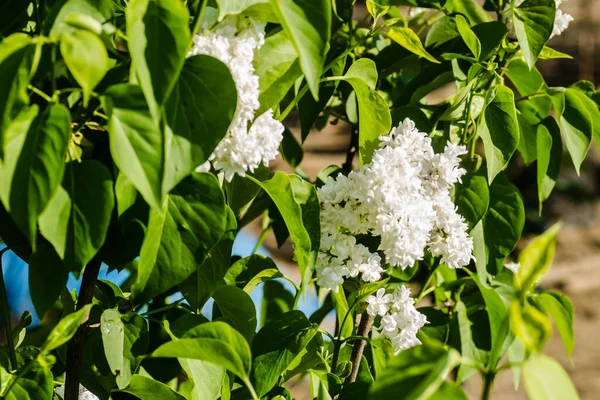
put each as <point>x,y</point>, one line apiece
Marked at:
<point>400,320</point>
<point>513,266</point>
<point>378,304</point>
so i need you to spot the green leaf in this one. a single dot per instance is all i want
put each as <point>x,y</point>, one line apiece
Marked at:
<point>47,278</point>
<point>159,36</point>
<point>277,68</point>
<point>529,82</point>
<point>442,31</point>
<point>499,130</point>
<point>468,36</point>
<point>180,235</point>
<point>468,347</point>
<point>537,257</point>
<point>545,379</point>
<point>472,197</point>
<point>65,329</point>
<point>14,137</point>
<point>533,22</point>
<point>16,52</point>
<point>587,97</point>
<point>530,325</point>
<point>308,24</point>
<point>55,22</point>
<point>469,8</point>
<point>235,7</point>
<point>549,150</point>
<point>576,123</point>
<point>305,194</point>
<point>77,218</point>
<point>505,218</point>
<point>374,117</point>
<point>138,147</point>
<point>342,309</point>
<point>277,300</point>
<point>215,342</point>
<point>551,54</point>
<point>277,345</point>
<point>35,171</point>
<point>560,308</point>
<point>498,315</point>
<point>206,377</point>
<point>86,58</point>
<point>113,341</point>
<point>408,39</point>
<point>415,373</point>
<point>376,10</point>
<point>279,188</point>
<point>199,112</point>
<point>449,391</point>
<point>242,191</point>
<point>34,384</point>
<point>491,35</point>
<point>238,309</point>
<point>200,286</point>
<point>249,271</point>
<point>527,141</point>
<point>146,388</point>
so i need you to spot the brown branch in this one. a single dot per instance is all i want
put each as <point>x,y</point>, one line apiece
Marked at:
<point>75,347</point>
<point>358,347</point>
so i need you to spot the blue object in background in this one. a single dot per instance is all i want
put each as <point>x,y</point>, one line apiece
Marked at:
<point>16,277</point>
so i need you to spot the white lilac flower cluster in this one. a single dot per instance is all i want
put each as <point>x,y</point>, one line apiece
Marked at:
<point>561,19</point>
<point>242,149</point>
<point>84,394</point>
<point>403,197</point>
<point>400,320</point>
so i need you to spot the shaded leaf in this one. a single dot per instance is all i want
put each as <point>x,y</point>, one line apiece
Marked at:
<point>308,25</point>
<point>180,235</point>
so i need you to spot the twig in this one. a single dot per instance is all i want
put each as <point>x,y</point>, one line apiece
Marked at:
<point>366,323</point>
<point>75,346</point>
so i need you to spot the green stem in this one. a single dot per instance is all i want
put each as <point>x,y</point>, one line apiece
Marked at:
<point>251,389</point>
<point>424,290</point>
<point>165,308</point>
<point>6,316</point>
<point>337,344</point>
<point>329,335</point>
<point>532,96</point>
<point>488,383</point>
<point>40,93</point>
<point>198,18</point>
<point>261,239</point>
